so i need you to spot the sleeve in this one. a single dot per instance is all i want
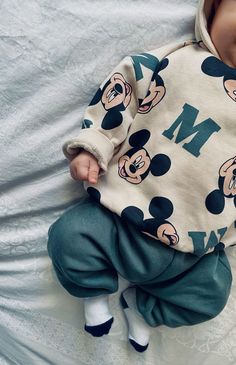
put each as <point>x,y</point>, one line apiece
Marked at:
<point>113,108</point>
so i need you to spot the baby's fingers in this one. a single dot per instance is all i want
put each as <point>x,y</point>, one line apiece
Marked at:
<point>85,167</point>
<point>79,172</point>
<point>93,172</point>
<point>79,169</point>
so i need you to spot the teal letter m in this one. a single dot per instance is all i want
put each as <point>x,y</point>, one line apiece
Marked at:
<point>186,121</point>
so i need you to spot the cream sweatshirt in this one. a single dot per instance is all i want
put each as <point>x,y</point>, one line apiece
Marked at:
<point>163,129</point>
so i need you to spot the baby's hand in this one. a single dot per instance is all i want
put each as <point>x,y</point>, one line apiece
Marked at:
<point>85,167</point>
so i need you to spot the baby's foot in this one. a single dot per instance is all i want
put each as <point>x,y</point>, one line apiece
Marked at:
<point>98,320</point>
<point>139,330</point>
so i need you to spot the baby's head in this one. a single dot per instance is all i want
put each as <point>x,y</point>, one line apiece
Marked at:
<point>222,29</point>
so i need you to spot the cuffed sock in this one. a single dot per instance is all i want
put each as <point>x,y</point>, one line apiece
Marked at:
<point>139,330</point>
<point>98,319</point>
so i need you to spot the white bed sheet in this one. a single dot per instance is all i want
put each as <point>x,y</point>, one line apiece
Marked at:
<point>53,56</point>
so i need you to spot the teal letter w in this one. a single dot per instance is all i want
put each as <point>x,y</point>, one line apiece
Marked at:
<point>198,239</point>
<point>186,121</point>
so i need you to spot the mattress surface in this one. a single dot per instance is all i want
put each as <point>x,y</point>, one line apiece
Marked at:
<point>54,55</point>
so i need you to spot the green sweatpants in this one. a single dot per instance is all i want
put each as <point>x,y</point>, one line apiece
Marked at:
<point>89,245</point>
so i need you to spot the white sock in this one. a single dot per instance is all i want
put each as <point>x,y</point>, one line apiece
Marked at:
<point>139,330</point>
<point>96,310</point>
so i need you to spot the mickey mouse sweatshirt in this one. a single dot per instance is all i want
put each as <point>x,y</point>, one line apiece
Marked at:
<point>163,129</point>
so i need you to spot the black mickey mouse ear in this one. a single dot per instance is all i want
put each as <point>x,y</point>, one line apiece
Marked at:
<point>140,138</point>
<point>235,201</point>
<point>212,66</point>
<point>164,64</point>
<point>160,66</point>
<point>112,119</point>
<point>94,193</point>
<point>97,97</point>
<point>151,225</point>
<point>215,202</point>
<point>160,164</point>
<point>133,214</point>
<point>86,124</point>
<point>161,207</point>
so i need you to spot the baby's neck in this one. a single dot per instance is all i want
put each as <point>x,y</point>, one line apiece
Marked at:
<point>228,55</point>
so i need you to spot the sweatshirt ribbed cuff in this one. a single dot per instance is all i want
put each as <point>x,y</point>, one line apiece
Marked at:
<point>92,141</point>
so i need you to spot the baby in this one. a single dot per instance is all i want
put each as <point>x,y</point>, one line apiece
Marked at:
<point>157,156</point>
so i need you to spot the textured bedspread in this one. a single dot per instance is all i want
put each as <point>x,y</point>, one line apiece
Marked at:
<point>53,56</point>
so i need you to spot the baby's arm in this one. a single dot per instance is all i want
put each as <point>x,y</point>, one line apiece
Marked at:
<point>107,119</point>
<point>109,115</point>
<point>85,167</point>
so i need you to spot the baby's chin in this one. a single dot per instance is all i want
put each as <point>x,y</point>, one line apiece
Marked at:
<point>226,51</point>
<point>229,57</point>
